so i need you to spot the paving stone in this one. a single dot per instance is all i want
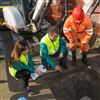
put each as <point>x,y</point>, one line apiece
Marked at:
<point>4,89</point>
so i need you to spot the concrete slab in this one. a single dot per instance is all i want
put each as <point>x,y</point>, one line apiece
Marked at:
<point>4,89</point>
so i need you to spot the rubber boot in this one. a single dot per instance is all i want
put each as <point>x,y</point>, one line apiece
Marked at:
<point>84,58</point>
<point>74,57</point>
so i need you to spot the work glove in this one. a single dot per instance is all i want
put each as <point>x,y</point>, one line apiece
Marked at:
<point>72,45</point>
<point>85,46</point>
<point>72,30</point>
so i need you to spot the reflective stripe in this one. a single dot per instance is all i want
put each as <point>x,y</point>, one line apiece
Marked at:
<point>90,31</point>
<point>12,71</point>
<point>4,6</point>
<point>65,30</point>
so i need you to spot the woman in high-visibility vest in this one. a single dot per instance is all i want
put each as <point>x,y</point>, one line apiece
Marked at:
<point>21,64</point>
<point>52,45</point>
<point>78,27</point>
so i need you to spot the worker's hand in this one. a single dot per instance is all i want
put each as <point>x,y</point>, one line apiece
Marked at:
<point>72,41</point>
<point>72,30</point>
<point>61,55</point>
<point>84,42</point>
<point>85,47</point>
<point>72,46</point>
<point>58,68</point>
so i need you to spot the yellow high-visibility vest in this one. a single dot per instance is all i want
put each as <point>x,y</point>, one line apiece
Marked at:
<point>51,46</point>
<point>24,59</point>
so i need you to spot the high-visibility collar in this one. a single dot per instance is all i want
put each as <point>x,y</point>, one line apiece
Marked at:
<point>52,46</point>
<point>24,58</point>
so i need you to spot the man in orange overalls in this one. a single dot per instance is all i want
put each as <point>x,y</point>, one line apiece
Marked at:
<point>78,28</point>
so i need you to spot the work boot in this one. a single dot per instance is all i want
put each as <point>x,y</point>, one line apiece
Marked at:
<point>84,58</point>
<point>85,61</point>
<point>30,91</point>
<point>63,64</point>
<point>74,57</point>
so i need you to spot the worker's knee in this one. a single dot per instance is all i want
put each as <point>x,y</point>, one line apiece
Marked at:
<point>73,46</point>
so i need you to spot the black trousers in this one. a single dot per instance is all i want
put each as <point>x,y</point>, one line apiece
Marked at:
<point>25,75</point>
<point>62,61</point>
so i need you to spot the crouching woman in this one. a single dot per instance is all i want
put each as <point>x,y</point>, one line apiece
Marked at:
<point>21,64</point>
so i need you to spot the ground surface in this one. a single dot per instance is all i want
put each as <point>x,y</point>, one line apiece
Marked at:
<point>73,84</point>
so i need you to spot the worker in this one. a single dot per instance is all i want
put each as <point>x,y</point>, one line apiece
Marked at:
<point>52,45</point>
<point>78,28</point>
<point>21,64</point>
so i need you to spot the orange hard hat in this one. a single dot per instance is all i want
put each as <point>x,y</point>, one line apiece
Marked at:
<point>78,14</point>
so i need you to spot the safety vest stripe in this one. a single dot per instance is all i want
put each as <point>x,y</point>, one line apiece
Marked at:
<point>4,6</point>
<point>65,30</point>
<point>90,31</point>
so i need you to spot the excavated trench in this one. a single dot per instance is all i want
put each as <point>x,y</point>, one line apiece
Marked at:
<point>76,85</point>
<point>83,84</point>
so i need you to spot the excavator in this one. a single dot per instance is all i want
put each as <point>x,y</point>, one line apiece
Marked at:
<point>26,16</point>
<point>31,15</point>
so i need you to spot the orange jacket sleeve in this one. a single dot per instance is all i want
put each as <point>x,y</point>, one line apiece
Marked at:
<point>66,29</point>
<point>89,29</point>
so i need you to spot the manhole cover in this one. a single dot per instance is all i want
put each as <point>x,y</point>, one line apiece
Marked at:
<point>85,98</point>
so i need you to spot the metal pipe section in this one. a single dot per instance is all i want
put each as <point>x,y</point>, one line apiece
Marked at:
<point>39,6</point>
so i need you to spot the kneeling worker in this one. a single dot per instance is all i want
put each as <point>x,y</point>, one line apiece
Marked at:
<point>52,45</point>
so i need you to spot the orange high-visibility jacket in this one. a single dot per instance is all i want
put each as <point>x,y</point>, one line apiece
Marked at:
<point>85,28</point>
